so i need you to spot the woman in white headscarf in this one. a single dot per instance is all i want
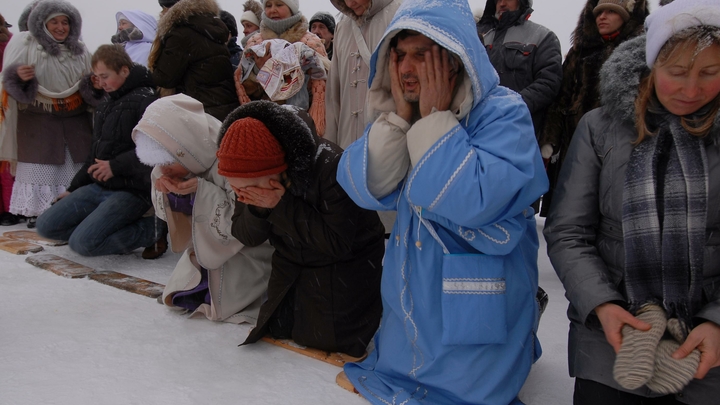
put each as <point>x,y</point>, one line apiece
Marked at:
<point>136,32</point>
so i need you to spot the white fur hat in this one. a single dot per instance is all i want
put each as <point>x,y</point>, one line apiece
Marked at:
<point>674,17</point>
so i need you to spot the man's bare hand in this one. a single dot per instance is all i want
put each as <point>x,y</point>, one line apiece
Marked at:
<point>101,170</point>
<point>437,81</point>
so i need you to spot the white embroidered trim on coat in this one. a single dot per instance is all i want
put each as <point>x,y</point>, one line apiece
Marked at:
<point>482,286</point>
<point>455,173</point>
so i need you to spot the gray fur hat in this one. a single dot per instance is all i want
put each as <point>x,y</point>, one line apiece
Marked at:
<point>325,18</point>
<point>36,26</point>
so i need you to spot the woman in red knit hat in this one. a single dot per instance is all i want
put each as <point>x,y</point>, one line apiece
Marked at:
<point>324,288</point>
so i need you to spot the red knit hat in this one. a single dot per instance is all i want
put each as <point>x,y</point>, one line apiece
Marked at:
<point>249,150</point>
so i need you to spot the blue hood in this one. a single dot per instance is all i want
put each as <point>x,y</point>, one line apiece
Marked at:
<point>458,35</point>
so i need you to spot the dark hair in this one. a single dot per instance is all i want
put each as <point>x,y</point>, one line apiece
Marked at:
<point>402,35</point>
<point>113,56</point>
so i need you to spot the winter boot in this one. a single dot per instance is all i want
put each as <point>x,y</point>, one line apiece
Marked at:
<point>157,249</point>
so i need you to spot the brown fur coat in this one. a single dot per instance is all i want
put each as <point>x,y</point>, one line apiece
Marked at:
<point>579,92</point>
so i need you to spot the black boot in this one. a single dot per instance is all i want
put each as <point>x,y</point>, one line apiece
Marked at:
<point>8,219</point>
<point>542,299</point>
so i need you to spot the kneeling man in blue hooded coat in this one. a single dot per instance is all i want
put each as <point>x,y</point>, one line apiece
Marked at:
<point>455,155</point>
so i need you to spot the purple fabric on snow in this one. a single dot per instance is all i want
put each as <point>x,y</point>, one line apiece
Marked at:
<point>192,299</point>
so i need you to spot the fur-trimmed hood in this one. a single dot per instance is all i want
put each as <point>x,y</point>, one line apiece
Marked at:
<point>294,130</point>
<point>620,78</point>
<point>586,33</point>
<point>36,25</point>
<point>181,12</point>
<point>255,7</point>
<point>23,20</point>
<point>375,7</point>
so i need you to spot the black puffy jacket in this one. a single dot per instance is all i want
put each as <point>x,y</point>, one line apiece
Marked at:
<point>114,121</point>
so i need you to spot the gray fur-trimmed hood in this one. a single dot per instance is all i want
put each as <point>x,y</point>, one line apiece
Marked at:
<point>36,24</point>
<point>296,134</point>
<point>23,20</point>
<point>620,78</point>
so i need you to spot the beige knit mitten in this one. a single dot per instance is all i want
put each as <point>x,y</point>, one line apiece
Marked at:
<point>672,375</point>
<point>635,361</point>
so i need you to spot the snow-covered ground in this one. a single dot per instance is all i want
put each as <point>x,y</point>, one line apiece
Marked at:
<point>78,342</point>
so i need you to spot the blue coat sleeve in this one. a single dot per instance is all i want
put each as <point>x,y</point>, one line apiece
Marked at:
<point>352,176</point>
<point>485,171</point>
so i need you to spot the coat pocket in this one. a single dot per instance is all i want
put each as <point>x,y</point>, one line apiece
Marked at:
<point>473,299</point>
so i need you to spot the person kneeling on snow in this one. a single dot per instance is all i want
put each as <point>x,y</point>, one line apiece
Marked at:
<point>103,210</point>
<point>324,289</point>
<point>217,276</point>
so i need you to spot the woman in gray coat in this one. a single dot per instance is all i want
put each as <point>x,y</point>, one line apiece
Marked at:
<point>634,232</point>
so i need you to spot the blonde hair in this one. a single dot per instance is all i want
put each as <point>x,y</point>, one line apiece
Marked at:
<point>698,38</point>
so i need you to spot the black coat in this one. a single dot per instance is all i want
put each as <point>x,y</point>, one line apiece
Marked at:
<point>190,55</point>
<point>114,121</point>
<point>324,289</point>
<point>526,56</point>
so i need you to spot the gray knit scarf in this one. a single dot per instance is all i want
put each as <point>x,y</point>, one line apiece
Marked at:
<point>280,26</point>
<point>664,220</point>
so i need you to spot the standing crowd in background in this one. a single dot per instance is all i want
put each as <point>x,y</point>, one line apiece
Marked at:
<point>367,181</point>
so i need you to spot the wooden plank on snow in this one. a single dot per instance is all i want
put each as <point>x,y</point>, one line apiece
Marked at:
<point>128,283</point>
<point>32,237</point>
<point>60,265</point>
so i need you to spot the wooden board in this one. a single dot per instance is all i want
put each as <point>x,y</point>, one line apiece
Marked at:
<point>336,359</point>
<point>18,247</point>
<point>59,265</point>
<point>68,268</point>
<point>343,381</point>
<point>128,283</point>
<point>33,237</point>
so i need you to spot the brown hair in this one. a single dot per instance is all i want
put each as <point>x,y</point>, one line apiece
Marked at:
<point>113,56</point>
<point>698,38</point>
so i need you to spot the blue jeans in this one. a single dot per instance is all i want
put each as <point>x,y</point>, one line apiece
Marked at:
<point>96,221</point>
